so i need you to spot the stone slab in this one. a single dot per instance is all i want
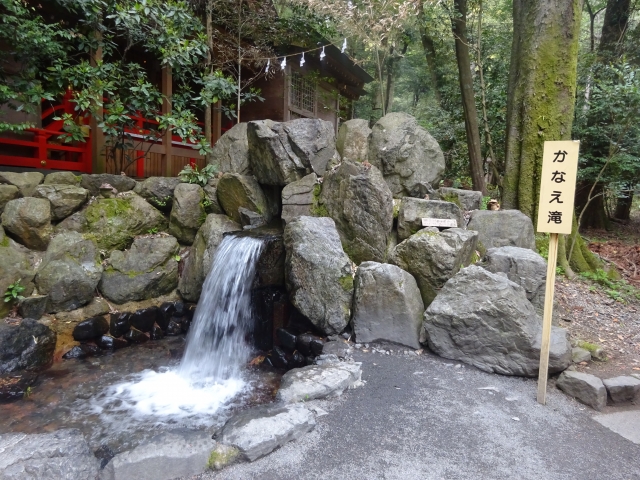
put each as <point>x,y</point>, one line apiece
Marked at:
<point>625,424</point>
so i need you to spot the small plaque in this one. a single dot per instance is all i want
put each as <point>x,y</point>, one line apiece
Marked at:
<point>440,222</point>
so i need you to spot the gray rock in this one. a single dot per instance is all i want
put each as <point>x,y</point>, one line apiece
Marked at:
<point>114,222</point>
<point>16,263</point>
<point>405,153</point>
<point>7,193</point>
<point>260,430</point>
<point>623,389</point>
<point>465,199</point>
<point>281,153</point>
<point>64,199</point>
<point>148,269</point>
<point>222,456</point>
<point>580,355</point>
<point>61,455</point>
<point>485,320</point>
<point>187,212</point>
<point>319,381</point>
<point>29,220</point>
<point>92,182</point>
<point>230,154</point>
<point>175,454</point>
<point>34,307</point>
<point>585,388</point>
<point>386,305</point>
<point>503,228</point>
<point>301,198</point>
<point>25,181</point>
<point>198,263</point>
<point>70,272</point>
<point>434,257</point>
<point>339,348</point>
<point>352,142</point>
<point>413,210</point>
<point>158,191</point>
<point>62,178</point>
<point>360,202</point>
<point>235,191</point>
<point>522,266</point>
<point>318,273</point>
<point>250,219</point>
<point>26,346</point>
<point>211,203</point>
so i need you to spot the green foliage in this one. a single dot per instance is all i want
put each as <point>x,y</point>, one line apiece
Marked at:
<point>542,245</point>
<point>191,174</point>
<point>13,292</point>
<point>484,203</point>
<point>152,231</point>
<point>617,289</point>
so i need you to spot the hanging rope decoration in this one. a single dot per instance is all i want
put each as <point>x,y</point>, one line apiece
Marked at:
<point>344,46</point>
<point>283,64</point>
<point>322,55</point>
<point>302,60</point>
<point>266,70</point>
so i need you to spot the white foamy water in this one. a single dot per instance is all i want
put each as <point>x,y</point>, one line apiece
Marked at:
<point>210,374</point>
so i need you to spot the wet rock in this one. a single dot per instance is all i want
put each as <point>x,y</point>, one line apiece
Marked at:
<point>104,454</point>
<point>585,388</point>
<point>413,210</point>
<point>502,228</point>
<point>119,324</point>
<point>361,204</point>
<point>352,141</point>
<point>119,343</point>
<point>301,198</point>
<point>260,430</point>
<point>175,454</point>
<point>309,345</point>
<point>580,355</point>
<point>148,269</point>
<point>122,183</point>
<point>278,358</point>
<point>166,311</point>
<point>85,350</point>
<point>106,342</point>
<point>434,257</point>
<point>158,191</point>
<point>286,339</point>
<point>298,360</point>
<point>318,273</point>
<point>187,213</point>
<point>70,272</point>
<point>145,318</point>
<point>90,329</point>
<point>249,219</point>
<point>173,328</point>
<point>64,199</point>
<point>623,389</point>
<point>29,221</point>
<point>26,182</point>
<point>63,454</point>
<point>235,191</point>
<point>156,333</point>
<point>16,387</point>
<point>135,336</point>
<point>185,323</point>
<point>339,348</point>
<point>485,320</point>
<point>33,307</point>
<point>405,153</point>
<point>319,381</point>
<point>8,193</point>
<point>386,305</point>
<point>230,154</point>
<point>98,306</point>
<point>62,178</point>
<point>465,199</point>
<point>27,346</point>
<point>198,263</point>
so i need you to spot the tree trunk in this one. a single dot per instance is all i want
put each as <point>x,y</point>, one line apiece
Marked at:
<point>616,20</point>
<point>207,111</point>
<point>392,71</point>
<point>623,205</point>
<point>430,55</point>
<point>594,215</point>
<point>459,27</point>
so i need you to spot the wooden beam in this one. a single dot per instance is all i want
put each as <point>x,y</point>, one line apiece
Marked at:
<point>167,92</point>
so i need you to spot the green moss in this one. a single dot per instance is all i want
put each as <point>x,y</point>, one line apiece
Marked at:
<point>396,209</point>
<point>218,460</point>
<point>347,282</point>
<point>4,242</point>
<point>451,197</point>
<point>107,208</point>
<point>482,250</point>
<point>475,258</point>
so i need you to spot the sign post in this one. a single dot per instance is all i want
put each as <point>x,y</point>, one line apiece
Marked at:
<point>555,216</point>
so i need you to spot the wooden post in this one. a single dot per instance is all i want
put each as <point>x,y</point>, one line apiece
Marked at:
<point>546,319</point>
<point>216,124</point>
<point>98,153</point>
<point>167,157</point>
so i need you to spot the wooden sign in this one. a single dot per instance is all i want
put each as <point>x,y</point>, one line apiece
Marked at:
<point>440,222</point>
<point>555,215</point>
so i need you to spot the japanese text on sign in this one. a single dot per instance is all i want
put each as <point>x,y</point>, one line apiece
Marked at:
<point>558,186</point>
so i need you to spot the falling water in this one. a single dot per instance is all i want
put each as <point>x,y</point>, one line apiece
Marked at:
<point>209,375</point>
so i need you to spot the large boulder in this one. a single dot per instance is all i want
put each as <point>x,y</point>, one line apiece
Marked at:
<point>465,199</point>
<point>198,263</point>
<point>29,221</point>
<point>235,191</point>
<point>230,154</point>
<point>64,199</point>
<point>17,263</point>
<point>522,266</point>
<point>26,346</point>
<point>62,178</point>
<point>70,272</point>
<point>25,181</point>
<point>413,210</point>
<point>502,228</point>
<point>158,191</point>
<point>114,222</point>
<point>301,198</point>
<point>485,320</point>
<point>386,305</point>
<point>360,202</point>
<point>8,193</point>
<point>148,269</point>
<point>405,153</point>
<point>584,387</point>
<point>318,273</point>
<point>211,203</point>
<point>281,153</point>
<point>121,183</point>
<point>187,213</point>
<point>434,257</point>
<point>352,142</point>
